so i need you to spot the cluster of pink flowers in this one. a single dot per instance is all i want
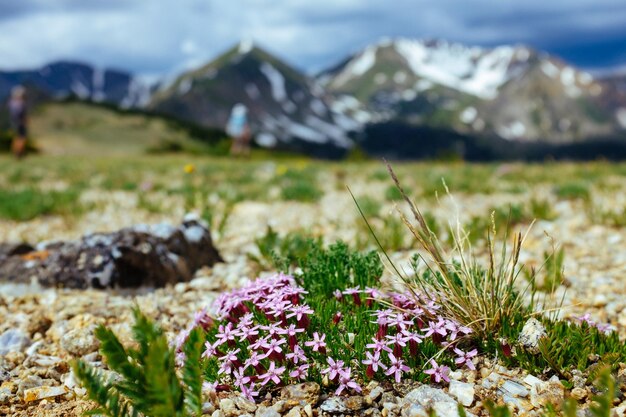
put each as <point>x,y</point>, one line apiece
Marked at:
<point>262,336</point>
<point>605,328</point>
<point>403,328</point>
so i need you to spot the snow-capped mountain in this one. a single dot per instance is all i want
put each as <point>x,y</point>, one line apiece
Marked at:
<point>514,92</point>
<point>62,79</point>
<point>286,108</point>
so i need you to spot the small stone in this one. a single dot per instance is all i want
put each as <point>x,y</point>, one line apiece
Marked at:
<point>262,411</point>
<point>414,410</point>
<point>579,393</point>
<point>217,413</point>
<point>374,394</point>
<point>548,392</point>
<point>228,407</point>
<point>354,403</point>
<point>462,391</point>
<point>208,408</point>
<point>5,395</point>
<point>515,389</point>
<point>531,380</point>
<point>391,407</point>
<point>456,375</point>
<point>301,394</point>
<point>245,404</point>
<point>39,393</point>
<point>13,340</point>
<point>333,405</point>
<point>79,342</point>
<point>372,412</point>
<point>530,335</point>
<point>280,406</point>
<point>308,410</point>
<point>29,382</point>
<point>294,412</point>
<point>430,397</point>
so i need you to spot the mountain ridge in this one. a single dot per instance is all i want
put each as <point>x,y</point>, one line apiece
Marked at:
<point>512,92</point>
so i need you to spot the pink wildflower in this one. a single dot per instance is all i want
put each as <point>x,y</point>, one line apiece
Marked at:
<point>273,374</point>
<point>333,369</point>
<point>297,355</point>
<point>346,382</point>
<point>397,367</point>
<point>465,358</point>
<point>300,372</point>
<point>378,345</point>
<point>373,362</point>
<point>318,344</point>
<point>438,373</point>
<point>354,292</point>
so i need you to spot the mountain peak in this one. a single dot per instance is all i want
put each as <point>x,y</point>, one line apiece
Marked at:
<point>245,46</point>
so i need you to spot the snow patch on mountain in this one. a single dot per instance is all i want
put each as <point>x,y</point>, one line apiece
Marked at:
<point>620,114</point>
<point>245,46</point>
<point>471,70</point>
<point>514,130</point>
<point>266,140</point>
<point>80,89</point>
<point>253,91</point>
<point>335,133</point>
<point>98,85</point>
<point>276,80</point>
<point>468,115</point>
<point>359,66</point>
<point>185,86</point>
<point>550,69</point>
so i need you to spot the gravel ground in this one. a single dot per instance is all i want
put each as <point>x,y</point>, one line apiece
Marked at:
<point>56,325</point>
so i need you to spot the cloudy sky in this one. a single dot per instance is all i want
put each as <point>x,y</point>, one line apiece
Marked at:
<point>155,37</point>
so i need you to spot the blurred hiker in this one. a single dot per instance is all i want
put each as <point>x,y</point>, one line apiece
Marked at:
<point>17,112</point>
<point>239,130</point>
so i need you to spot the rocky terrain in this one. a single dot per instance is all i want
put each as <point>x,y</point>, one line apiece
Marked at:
<point>43,329</point>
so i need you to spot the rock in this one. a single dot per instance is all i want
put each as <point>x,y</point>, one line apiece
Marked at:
<point>548,392</point>
<point>208,408</point>
<point>262,411</point>
<point>414,410</point>
<point>514,389</point>
<point>13,340</point>
<point>308,410</point>
<point>29,382</point>
<point>579,393</point>
<point>79,342</point>
<point>294,412</point>
<point>280,406</point>
<point>531,380</point>
<point>390,407</point>
<point>244,404</point>
<point>5,395</point>
<point>530,335</point>
<point>141,255</point>
<point>38,323</point>
<point>4,375</point>
<point>354,403</point>
<point>39,393</point>
<point>462,391</point>
<point>301,394</point>
<point>372,412</point>
<point>374,394</point>
<point>228,407</point>
<point>428,397</point>
<point>334,405</point>
<point>217,413</point>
